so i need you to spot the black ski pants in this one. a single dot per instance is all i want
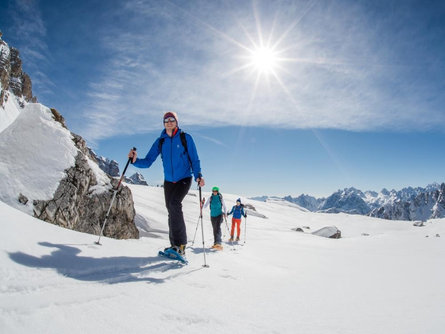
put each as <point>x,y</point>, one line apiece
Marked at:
<point>216,224</point>
<point>174,193</point>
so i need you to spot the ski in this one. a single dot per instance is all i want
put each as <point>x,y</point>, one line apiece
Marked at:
<point>173,255</point>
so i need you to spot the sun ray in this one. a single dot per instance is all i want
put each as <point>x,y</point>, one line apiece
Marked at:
<point>292,26</point>
<point>258,25</point>
<point>238,69</point>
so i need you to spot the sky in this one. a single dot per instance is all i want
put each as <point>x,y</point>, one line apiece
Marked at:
<point>281,97</point>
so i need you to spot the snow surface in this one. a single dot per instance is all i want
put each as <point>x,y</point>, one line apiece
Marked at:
<point>10,111</point>
<point>54,280</point>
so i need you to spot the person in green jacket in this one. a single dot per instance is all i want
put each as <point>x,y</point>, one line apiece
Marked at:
<point>217,210</point>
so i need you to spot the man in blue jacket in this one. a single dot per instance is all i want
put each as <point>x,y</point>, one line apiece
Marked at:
<point>179,159</point>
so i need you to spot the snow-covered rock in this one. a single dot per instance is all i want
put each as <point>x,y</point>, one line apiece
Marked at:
<point>47,171</point>
<point>331,232</point>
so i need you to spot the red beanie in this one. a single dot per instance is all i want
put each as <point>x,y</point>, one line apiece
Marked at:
<point>171,114</point>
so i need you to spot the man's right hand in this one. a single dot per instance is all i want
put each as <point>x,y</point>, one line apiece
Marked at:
<point>133,155</point>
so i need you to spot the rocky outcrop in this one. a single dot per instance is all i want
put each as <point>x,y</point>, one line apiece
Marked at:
<point>78,205</point>
<point>12,77</point>
<point>82,197</point>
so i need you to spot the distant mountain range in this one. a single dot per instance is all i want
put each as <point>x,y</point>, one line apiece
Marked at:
<point>406,204</point>
<point>111,167</point>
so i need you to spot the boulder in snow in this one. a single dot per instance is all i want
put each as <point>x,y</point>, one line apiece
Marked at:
<point>331,232</point>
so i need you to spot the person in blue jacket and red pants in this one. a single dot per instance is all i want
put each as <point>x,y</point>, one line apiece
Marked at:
<point>180,159</point>
<point>238,211</point>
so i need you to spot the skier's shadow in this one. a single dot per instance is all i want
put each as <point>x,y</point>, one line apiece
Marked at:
<point>121,269</point>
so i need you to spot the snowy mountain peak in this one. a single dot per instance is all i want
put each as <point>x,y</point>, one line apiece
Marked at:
<point>136,178</point>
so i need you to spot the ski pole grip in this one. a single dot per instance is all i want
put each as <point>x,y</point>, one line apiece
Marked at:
<point>128,162</point>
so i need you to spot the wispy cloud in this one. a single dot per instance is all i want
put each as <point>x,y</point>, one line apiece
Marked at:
<point>336,69</point>
<point>30,33</point>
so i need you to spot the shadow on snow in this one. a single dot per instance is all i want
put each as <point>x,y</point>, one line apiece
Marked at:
<point>66,261</point>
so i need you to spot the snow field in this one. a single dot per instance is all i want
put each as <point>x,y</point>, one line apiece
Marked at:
<point>281,281</point>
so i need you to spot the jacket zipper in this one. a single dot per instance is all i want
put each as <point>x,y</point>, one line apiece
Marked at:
<point>171,155</point>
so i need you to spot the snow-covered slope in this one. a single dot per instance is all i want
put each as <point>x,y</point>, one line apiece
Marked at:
<point>9,113</point>
<point>35,151</point>
<point>54,280</point>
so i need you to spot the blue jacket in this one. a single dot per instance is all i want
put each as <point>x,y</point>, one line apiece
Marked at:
<point>174,157</point>
<point>237,211</point>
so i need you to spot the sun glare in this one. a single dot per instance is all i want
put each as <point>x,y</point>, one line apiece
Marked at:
<point>264,60</point>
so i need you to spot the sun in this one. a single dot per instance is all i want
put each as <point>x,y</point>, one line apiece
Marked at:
<point>264,60</point>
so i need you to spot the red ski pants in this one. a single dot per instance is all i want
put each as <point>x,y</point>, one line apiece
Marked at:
<point>236,222</point>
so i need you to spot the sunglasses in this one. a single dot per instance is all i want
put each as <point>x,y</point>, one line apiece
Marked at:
<point>215,191</point>
<point>170,119</point>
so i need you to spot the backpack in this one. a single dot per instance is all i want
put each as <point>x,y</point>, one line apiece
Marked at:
<point>220,198</point>
<point>184,144</point>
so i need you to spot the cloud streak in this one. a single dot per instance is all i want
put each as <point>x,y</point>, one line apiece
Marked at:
<point>30,31</point>
<point>337,70</point>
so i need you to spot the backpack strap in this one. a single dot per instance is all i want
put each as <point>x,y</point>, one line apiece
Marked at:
<point>161,142</point>
<point>184,144</point>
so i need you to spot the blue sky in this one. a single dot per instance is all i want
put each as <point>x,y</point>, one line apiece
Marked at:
<point>355,96</point>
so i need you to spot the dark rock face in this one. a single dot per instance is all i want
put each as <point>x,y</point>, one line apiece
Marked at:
<point>76,205</point>
<point>12,77</point>
<point>22,199</point>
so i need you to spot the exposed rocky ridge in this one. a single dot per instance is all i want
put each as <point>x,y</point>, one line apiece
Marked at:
<point>12,77</point>
<point>76,205</point>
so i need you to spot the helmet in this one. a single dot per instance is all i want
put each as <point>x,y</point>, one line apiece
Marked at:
<point>215,189</point>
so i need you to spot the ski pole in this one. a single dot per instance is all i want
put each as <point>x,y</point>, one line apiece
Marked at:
<point>205,265</point>
<point>228,231</point>
<point>112,200</point>
<point>196,230</point>
<point>245,229</point>
<point>197,225</point>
